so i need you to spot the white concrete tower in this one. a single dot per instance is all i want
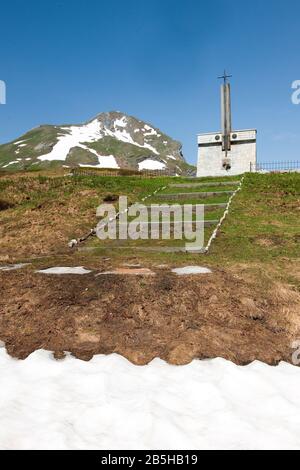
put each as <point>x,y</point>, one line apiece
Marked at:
<point>227,152</point>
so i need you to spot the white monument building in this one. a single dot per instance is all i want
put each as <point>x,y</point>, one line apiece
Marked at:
<point>227,152</point>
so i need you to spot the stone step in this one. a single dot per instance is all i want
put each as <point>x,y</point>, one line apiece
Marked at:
<point>168,249</point>
<point>201,195</point>
<point>204,185</point>
<point>220,205</point>
<point>207,223</point>
<point>207,207</point>
<point>217,205</point>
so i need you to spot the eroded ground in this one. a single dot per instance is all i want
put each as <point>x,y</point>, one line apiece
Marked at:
<point>176,318</point>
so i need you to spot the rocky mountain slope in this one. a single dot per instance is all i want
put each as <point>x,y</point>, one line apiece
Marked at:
<point>111,140</point>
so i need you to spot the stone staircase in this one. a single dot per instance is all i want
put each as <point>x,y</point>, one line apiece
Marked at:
<point>213,195</point>
<point>210,194</point>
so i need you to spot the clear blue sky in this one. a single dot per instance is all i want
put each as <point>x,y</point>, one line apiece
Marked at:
<point>68,60</point>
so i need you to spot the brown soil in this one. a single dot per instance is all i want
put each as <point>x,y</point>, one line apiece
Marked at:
<point>46,229</point>
<point>174,318</point>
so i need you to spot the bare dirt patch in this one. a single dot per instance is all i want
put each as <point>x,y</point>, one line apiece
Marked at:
<point>167,316</point>
<point>269,242</point>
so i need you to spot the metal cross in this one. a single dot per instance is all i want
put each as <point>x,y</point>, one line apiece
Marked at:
<point>225,77</point>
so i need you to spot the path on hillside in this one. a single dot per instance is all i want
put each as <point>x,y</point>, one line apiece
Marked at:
<point>214,195</point>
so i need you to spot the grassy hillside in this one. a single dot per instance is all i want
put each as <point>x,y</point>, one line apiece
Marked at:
<point>264,222</point>
<point>246,310</point>
<point>43,212</point>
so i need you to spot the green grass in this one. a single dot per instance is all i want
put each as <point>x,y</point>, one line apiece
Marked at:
<point>207,179</point>
<point>30,192</point>
<point>264,221</point>
<point>263,225</point>
<point>199,189</point>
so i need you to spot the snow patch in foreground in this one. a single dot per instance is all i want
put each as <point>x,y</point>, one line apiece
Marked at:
<point>151,164</point>
<point>188,270</point>
<point>65,270</point>
<point>12,267</point>
<point>108,403</point>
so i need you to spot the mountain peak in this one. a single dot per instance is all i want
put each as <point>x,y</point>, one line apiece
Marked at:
<point>109,140</point>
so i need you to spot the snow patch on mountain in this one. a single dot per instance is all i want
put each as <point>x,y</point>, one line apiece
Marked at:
<point>105,161</point>
<point>151,131</point>
<point>10,163</point>
<point>121,122</point>
<point>78,136</point>
<point>75,137</point>
<point>171,156</point>
<point>150,164</point>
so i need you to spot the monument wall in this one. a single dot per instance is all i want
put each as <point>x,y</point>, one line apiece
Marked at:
<point>213,161</point>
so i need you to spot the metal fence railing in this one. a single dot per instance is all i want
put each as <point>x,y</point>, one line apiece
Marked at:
<point>275,167</point>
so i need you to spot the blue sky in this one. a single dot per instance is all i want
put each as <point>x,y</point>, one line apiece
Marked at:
<point>66,61</point>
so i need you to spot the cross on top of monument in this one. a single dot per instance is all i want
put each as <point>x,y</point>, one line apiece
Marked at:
<point>225,77</point>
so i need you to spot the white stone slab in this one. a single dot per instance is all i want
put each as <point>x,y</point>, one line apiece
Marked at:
<point>191,270</point>
<point>65,270</point>
<point>128,272</point>
<point>12,267</point>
